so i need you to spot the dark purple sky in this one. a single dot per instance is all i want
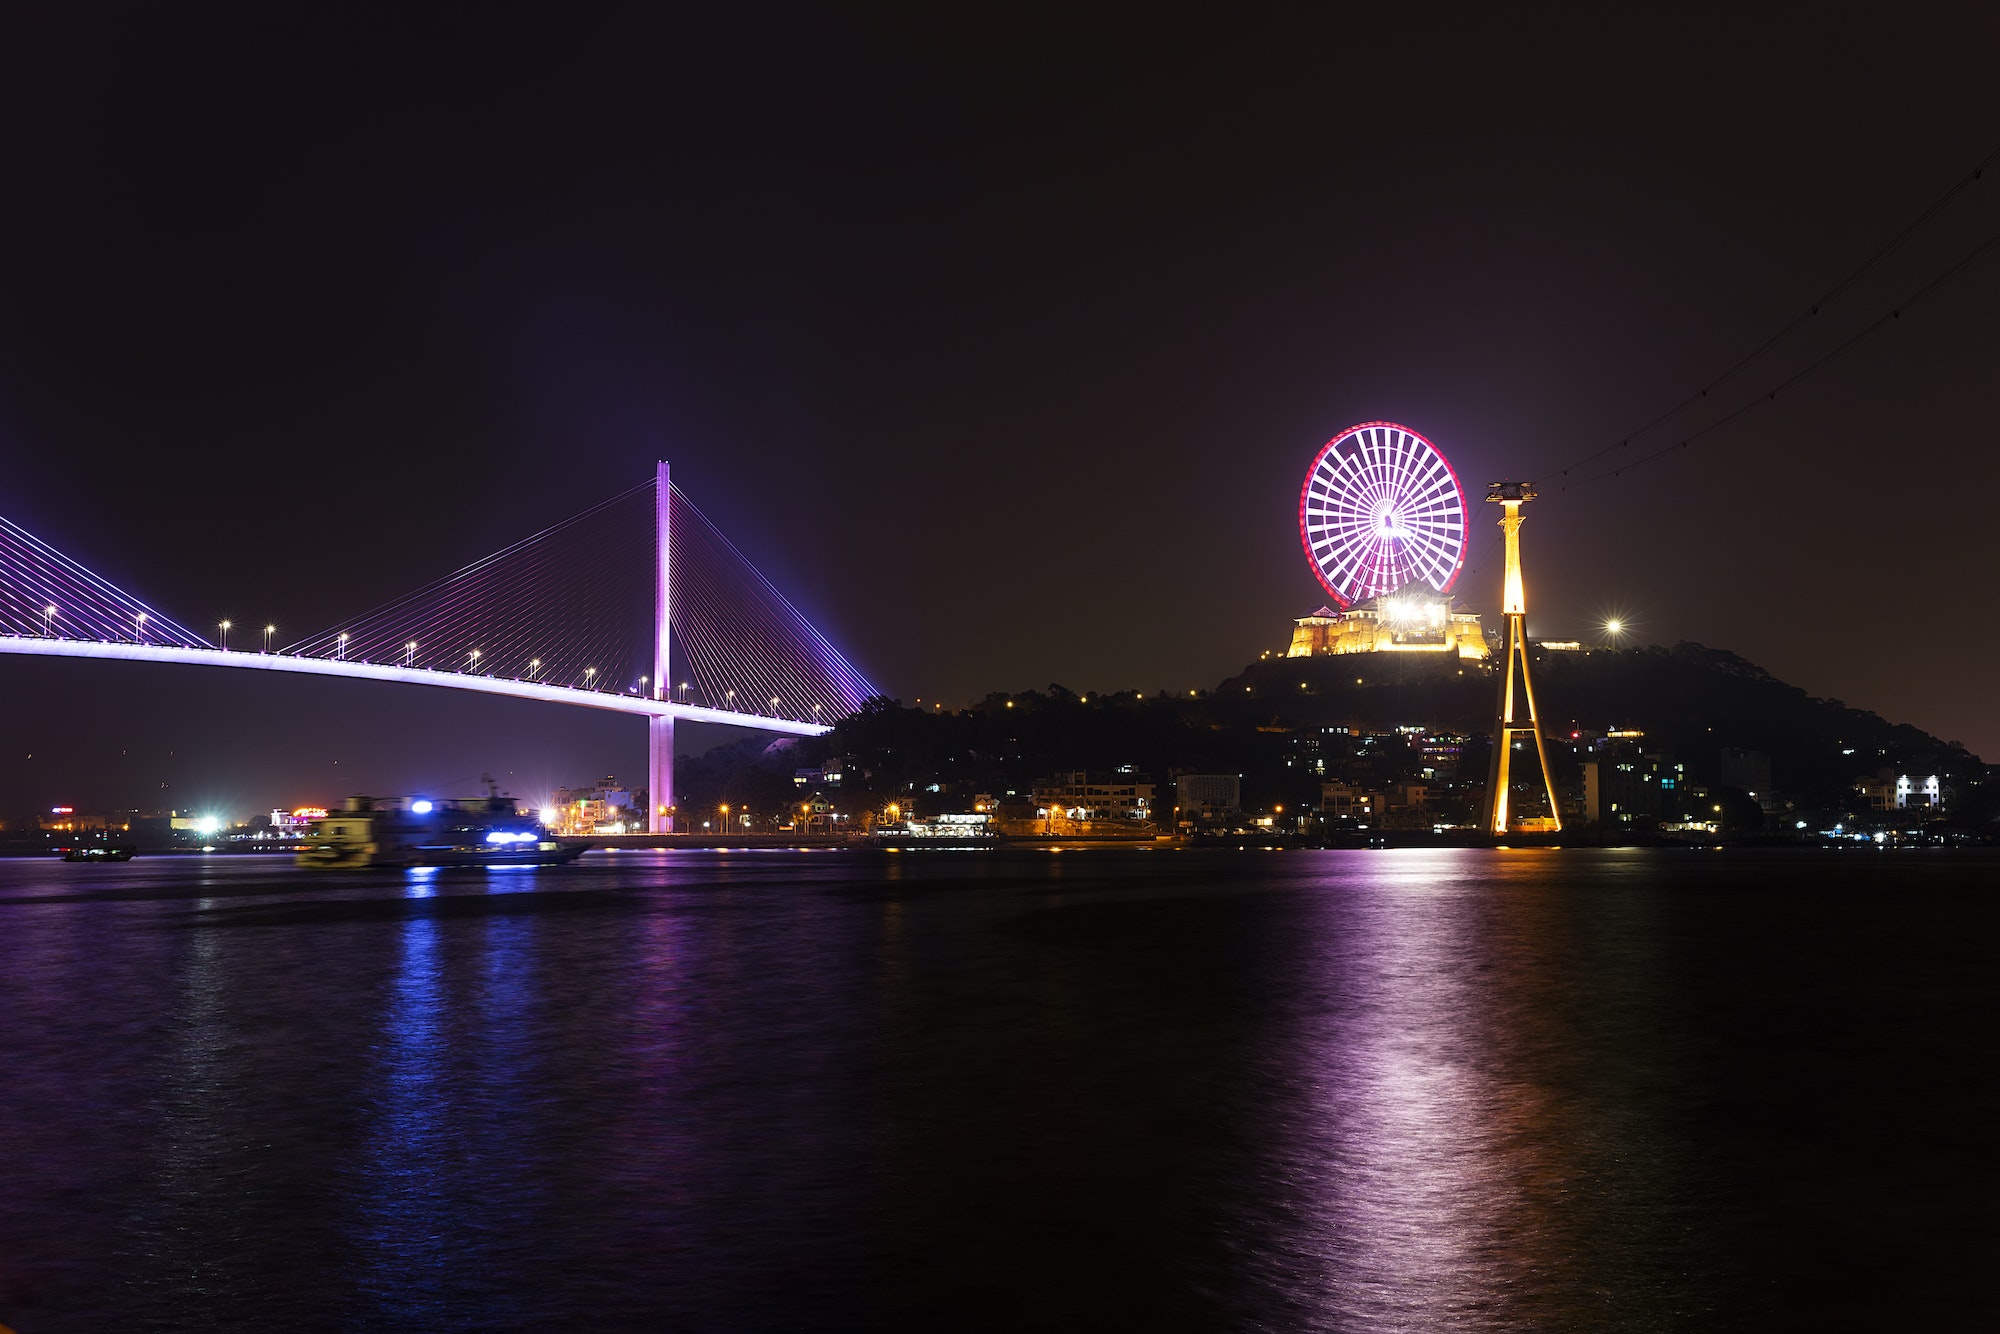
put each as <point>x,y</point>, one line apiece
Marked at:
<point>1001,343</point>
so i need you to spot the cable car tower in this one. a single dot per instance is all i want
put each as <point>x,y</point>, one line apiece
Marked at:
<point>1506,727</point>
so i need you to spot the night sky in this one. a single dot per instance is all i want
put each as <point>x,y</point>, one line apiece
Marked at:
<point>999,341</point>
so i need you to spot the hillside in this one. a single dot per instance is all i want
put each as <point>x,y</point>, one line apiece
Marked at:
<point>1689,700</point>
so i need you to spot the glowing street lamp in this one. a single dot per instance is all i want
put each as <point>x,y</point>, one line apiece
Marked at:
<point>684,692</point>
<point>340,647</point>
<point>225,635</point>
<point>48,620</point>
<point>774,706</point>
<point>269,630</point>
<point>642,689</point>
<point>140,621</point>
<point>410,654</point>
<point>589,674</point>
<point>731,699</point>
<point>472,661</point>
<point>534,665</point>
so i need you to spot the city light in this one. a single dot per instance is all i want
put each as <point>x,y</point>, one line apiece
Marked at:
<point>420,807</point>
<point>340,647</point>
<point>225,635</point>
<point>48,620</point>
<point>548,815</point>
<point>140,620</point>
<point>512,836</point>
<point>207,826</point>
<point>410,654</point>
<point>269,630</point>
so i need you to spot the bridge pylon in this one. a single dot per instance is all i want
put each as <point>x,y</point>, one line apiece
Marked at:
<point>660,728</point>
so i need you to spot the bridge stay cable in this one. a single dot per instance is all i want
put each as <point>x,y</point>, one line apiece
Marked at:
<point>45,594</point>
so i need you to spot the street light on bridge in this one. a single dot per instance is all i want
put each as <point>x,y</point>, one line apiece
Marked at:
<point>140,621</point>
<point>589,674</point>
<point>472,661</point>
<point>269,630</point>
<point>225,635</point>
<point>340,647</point>
<point>534,665</point>
<point>410,654</point>
<point>48,620</point>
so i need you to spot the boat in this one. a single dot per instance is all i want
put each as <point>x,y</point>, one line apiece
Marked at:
<point>99,852</point>
<point>415,831</point>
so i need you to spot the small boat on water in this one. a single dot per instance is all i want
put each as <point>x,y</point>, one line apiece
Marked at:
<point>97,852</point>
<point>414,831</point>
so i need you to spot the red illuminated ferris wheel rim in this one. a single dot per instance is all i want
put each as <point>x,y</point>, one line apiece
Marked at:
<point>1399,516</point>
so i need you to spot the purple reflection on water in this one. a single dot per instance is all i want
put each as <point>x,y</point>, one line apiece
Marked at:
<point>1421,1161</point>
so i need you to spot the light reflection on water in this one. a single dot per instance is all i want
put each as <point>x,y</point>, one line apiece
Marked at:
<point>1411,1090</point>
<point>405,1190</point>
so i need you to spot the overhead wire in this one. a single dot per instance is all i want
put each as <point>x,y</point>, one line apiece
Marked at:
<point>1808,314</point>
<point>1873,327</point>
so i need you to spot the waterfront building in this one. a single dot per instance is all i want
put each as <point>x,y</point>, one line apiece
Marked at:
<point>1624,787</point>
<point>1208,796</point>
<point>1123,795</point>
<point>1340,800</point>
<point>603,807</point>
<point>1749,770</point>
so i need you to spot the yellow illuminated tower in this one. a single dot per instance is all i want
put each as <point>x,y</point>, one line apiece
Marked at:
<point>1513,495</point>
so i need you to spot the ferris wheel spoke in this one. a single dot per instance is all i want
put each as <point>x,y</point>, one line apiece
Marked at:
<point>1432,555</point>
<point>1347,566</point>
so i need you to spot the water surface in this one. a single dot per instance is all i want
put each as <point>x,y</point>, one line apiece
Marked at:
<point>1418,1089</point>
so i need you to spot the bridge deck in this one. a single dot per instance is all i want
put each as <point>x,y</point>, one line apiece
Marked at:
<point>36,646</point>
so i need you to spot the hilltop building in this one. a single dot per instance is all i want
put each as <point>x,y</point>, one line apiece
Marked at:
<point>1413,619</point>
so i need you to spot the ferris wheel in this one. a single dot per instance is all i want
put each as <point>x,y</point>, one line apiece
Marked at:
<point>1381,509</point>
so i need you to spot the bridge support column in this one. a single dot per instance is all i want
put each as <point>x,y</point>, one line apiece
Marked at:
<point>660,733</point>
<point>660,774</point>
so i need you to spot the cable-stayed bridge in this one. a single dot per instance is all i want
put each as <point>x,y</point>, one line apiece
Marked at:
<point>638,605</point>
